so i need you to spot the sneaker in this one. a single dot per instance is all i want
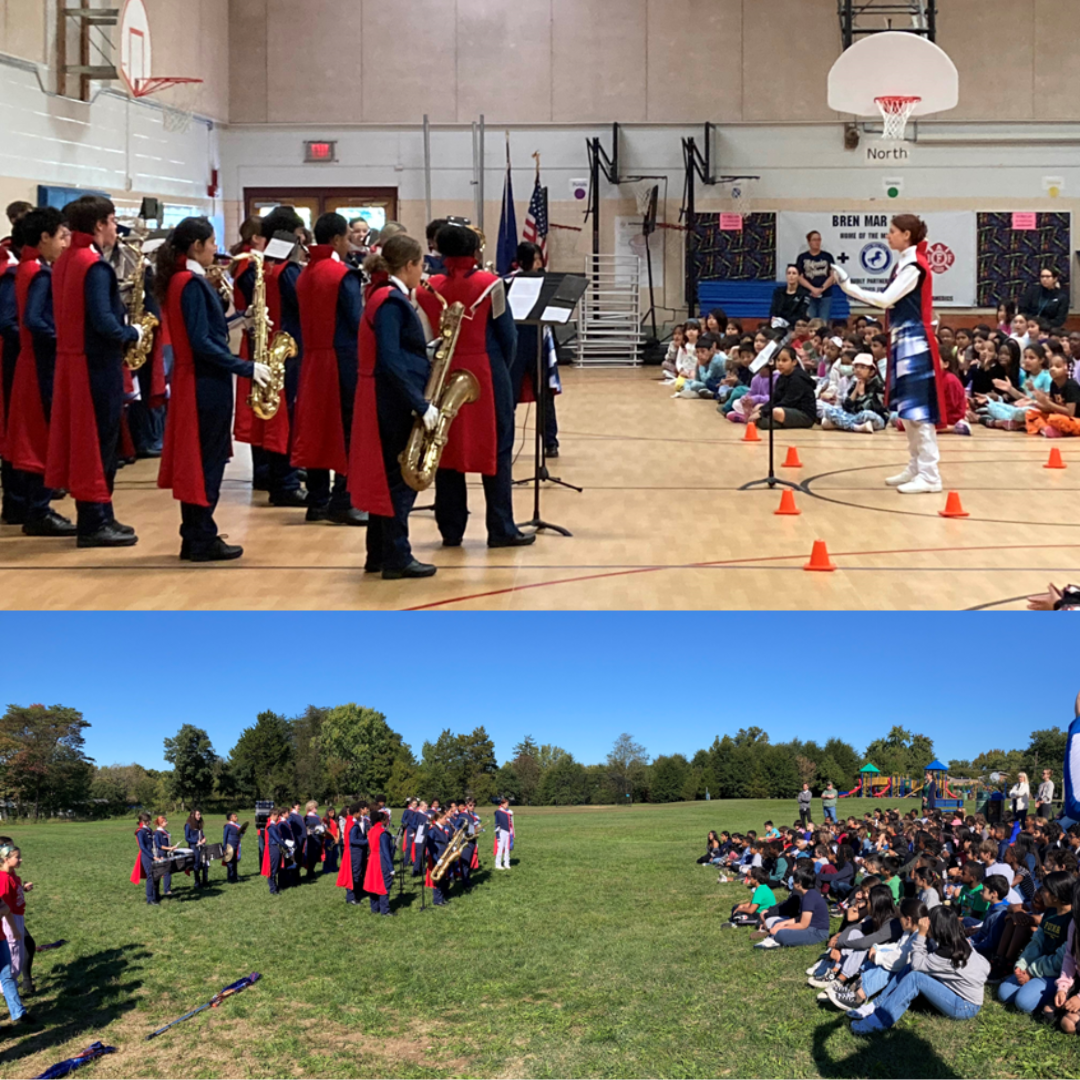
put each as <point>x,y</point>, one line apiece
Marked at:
<point>862,1012</point>
<point>729,925</point>
<point>758,935</point>
<point>768,943</point>
<point>822,982</point>
<point>919,486</point>
<point>867,1026</point>
<point>827,424</point>
<point>813,968</point>
<point>843,997</point>
<point>901,478</point>
<point>962,427</point>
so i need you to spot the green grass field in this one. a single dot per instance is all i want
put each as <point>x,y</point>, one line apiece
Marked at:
<point>599,954</point>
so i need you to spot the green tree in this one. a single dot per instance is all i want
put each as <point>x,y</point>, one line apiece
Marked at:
<point>192,757</point>
<point>108,795</point>
<point>359,748</point>
<point>600,788</point>
<point>459,765</point>
<point>626,762</point>
<point>564,784</point>
<point>508,783</point>
<point>1046,750</point>
<point>668,778</point>
<point>311,779</point>
<point>42,764</point>
<point>526,766</point>
<point>263,760</point>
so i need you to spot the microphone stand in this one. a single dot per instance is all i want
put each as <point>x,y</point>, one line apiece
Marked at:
<point>772,479</point>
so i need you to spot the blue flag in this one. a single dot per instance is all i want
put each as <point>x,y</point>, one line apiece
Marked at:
<point>506,252</point>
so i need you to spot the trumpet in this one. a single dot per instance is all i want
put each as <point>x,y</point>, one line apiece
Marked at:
<point>219,277</point>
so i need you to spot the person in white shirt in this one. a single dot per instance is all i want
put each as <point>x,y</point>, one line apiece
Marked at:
<point>1020,793</point>
<point>1044,799</point>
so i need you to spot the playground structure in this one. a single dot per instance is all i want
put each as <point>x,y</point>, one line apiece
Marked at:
<point>872,783</point>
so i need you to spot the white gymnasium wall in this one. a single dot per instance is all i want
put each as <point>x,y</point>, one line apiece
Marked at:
<point>801,167</point>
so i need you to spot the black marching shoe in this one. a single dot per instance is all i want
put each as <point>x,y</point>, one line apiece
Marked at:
<point>415,569</point>
<point>127,530</point>
<point>372,568</point>
<point>289,498</point>
<point>218,551</point>
<point>521,540</point>
<point>347,517</point>
<point>50,524</point>
<point>317,513</point>
<point>108,536</point>
<point>551,452</point>
<point>447,542</point>
<point>185,550</point>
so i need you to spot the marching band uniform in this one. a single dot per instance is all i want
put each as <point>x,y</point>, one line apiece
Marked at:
<point>244,421</point>
<point>393,371</point>
<point>163,841</point>
<point>14,505</point>
<point>331,301</point>
<point>88,391</point>
<point>330,842</point>
<point>194,839</point>
<point>272,849</point>
<point>295,825</point>
<point>31,394</point>
<point>437,840</point>
<point>380,868</point>
<point>231,835</point>
<point>503,829</point>
<point>197,442</point>
<point>312,846</point>
<point>482,437</point>
<point>144,863</point>
<point>284,311</point>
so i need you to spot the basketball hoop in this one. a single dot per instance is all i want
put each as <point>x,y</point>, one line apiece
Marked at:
<point>895,110</point>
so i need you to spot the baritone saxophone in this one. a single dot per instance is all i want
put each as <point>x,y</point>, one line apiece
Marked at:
<point>264,401</point>
<point>448,393</point>
<point>138,352</point>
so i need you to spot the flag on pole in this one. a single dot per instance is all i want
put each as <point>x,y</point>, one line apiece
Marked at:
<point>506,251</point>
<point>535,229</point>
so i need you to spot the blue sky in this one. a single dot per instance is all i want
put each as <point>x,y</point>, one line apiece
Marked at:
<point>674,681</point>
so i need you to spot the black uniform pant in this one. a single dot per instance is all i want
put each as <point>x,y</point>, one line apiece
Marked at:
<point>275,863</point>
<point>323,495</point>
<point>452,507</point>
<point>92,516</point>
<point>198,530</point>
<point>26,498</point>
<point>146,424</point>
<point>388,537</point>
<point>282,476</point>
<point>232,870</point>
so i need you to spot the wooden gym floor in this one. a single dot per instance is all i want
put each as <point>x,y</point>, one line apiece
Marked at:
<point>661,524</point>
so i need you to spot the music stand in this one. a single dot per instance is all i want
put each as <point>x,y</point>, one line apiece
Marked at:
<point>770,352</point>
<point>553,305</point>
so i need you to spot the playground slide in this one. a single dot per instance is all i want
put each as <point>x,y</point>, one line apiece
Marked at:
<point>884,791</point>
<point>952,794</point>
<point>857,788</point>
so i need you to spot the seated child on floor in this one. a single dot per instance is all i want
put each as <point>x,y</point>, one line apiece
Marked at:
<point>794,404</point>
<point>749,912</point>
<point>811,925</point>
<point>863,409</point>
<point>678,340</point>
<point>1009,411</point>
<point>1055,410</point>
<point>709,370</point>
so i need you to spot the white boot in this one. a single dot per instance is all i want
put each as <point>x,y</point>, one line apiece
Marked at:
<point>919,486</point>
<point>901,478</point>
<point>911,430</point>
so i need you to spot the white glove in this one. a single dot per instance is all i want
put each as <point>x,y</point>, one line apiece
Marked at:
<point>139,331</point>
<point>842,276</point>
<point>430,418</point>
<point>261,375</point>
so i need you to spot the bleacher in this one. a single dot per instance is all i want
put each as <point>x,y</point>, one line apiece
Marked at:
<point>752,299</point>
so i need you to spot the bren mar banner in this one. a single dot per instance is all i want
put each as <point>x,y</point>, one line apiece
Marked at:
<point>858,242</point>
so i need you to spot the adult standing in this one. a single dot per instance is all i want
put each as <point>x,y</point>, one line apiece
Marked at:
<point>817,275</point>
<point>930,793</point>
<point>1020,793</point>
<point>805,797</point>
<point>916,383</point>
<point>828,801</point>
<point>790,300</point>
<point>1046,299</point>
<point>1044,799</point>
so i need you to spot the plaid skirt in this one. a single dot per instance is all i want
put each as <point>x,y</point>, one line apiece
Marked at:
<point>912,392</point>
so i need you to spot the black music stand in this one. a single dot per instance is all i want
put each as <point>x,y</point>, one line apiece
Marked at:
<point>559,295</point>
<point>772,479</point>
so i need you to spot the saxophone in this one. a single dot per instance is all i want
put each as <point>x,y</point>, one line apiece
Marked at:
<point>450,855</point>
<point>139,352</point>
<point>420,458</point>
<point>264,401</point>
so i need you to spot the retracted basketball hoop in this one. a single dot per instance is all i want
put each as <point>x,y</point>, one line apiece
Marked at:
<point>895,110</point>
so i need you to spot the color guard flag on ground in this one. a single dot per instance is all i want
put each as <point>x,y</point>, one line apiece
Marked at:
<point>535,229</point>
<point>506,252</point>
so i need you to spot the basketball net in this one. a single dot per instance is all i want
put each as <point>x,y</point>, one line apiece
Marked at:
<point>895,111</point>
<point>741,200</point>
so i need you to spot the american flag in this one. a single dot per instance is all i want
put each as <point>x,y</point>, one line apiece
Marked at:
<point>535,229</point>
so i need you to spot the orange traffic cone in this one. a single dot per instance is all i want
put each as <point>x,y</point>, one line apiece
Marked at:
<point>819,558</point>
<point>792,460</point>
<point>751,433</point>
<point>953,507</point>
<point>787,503</point>
<point>1055,461</point>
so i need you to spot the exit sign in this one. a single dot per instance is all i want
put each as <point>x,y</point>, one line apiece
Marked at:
<point>319,151</point>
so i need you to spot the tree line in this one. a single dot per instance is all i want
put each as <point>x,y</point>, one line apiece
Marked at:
<point>329,754</point>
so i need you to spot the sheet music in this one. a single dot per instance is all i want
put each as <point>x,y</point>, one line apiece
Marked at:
<point>523,294</point>
<point>764,357</point>
<point>556,314</point>
<point>279,249</point>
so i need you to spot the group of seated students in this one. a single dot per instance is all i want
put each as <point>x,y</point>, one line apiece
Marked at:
<point>1019,375</point>
<point>930,904</point>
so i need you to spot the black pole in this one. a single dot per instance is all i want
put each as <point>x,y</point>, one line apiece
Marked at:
<point>772,479</point>
<point>689,151</point>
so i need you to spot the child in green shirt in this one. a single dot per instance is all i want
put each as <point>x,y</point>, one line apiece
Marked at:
<point>973,905</point>
<point>749,913</point>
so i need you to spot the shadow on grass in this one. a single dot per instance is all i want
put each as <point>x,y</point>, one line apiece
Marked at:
<point>92,992</point>
<point>897,1053</point>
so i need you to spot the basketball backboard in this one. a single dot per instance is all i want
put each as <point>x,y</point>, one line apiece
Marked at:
<point>134,46</point>
<point>892,64</point>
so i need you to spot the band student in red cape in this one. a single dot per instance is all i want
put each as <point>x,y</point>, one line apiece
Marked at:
<point>389,396</point>
<point>14,504</point>
<point>197,441</point>
<point>482,437</point>
<point>88,389</point>
<point>272,846</point>
<point>380,868</point>
<point>144,861</point>
<point>354,863</point>
<point>331,300</point>
<point>44,237</point>
<point>915,383</point>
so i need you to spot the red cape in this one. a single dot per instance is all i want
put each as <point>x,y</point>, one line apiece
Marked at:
<point>368,487</point>
<point>27,436</point>
<point>3,424</point>
<point>181,457</point>
<point>472,443</point>
<point>265,870</point>
<point>139,873</point>
<point>318,430</point>
<point>344,874</point>
<point>373,876</point>
<point>272,435</point>
<point>74,458</point>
